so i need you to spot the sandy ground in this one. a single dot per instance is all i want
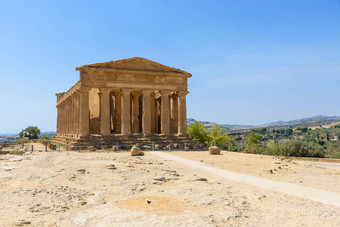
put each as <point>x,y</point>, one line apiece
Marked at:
<point>320,175</point>
<point>85,189</point>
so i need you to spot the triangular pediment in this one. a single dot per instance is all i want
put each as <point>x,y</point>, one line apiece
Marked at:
<point>135,63</point>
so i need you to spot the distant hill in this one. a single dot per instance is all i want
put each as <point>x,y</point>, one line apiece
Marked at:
<point>310,121</point>
<point>49,134</point>
<point>320,119</point>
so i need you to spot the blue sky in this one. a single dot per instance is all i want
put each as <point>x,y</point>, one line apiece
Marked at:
<point>252,62</point>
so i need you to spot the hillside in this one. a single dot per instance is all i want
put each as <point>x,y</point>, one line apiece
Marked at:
<point>315,121</point>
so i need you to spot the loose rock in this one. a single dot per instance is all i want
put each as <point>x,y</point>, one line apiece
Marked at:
<point>92,148</point>
<point>214,150</point>
<point>115,148</point>
<point>112,166</point>
<point>135,151</point>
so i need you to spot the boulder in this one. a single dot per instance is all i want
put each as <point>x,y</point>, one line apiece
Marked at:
<point>214,150</point>
<point>92,148</point>
<point>246,151</point>
<point>135,151</point>
<point>52,146</point>
<point>115,148</point>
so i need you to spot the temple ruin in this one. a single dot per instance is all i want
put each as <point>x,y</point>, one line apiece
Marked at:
<point>124,102</point>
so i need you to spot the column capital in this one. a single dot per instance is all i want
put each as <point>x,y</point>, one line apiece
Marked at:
<point>147,92</point>
<point>173,95</point>
<point>116,91</point>
<point>182,93</point>
<point>126,91</point>
<point>105,89</point>
<point>136,93</point>
<point>84,89</point>
<point>165,92</point>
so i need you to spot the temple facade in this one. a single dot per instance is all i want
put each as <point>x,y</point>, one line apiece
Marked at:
<point>127,101</point>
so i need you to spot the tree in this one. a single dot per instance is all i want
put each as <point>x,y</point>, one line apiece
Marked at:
<point>303,129</point>
<point>221,139</point>
<point>288,131</point>
<point>260,130</point>
<point>197,132</point>
<point>253,138</point>
<point>32,132</point>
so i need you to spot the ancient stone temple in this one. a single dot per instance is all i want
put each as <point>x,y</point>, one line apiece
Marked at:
<point>125,102</point>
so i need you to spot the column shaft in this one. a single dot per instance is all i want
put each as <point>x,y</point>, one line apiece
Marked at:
<point>165,113</point>
<point>118,112</point>
<point>182,113</point>
<point>126,120</point>
<point>146,118</point>
<point>105,112</point>
<point>174,114</point>
<point>84,113</point>
<point>135,113</point>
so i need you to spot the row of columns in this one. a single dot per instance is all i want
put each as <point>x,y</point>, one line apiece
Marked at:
<point>68,115</point>
<point>130,124</point>
<point>74,113</point>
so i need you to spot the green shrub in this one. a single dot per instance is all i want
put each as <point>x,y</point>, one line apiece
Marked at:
<point>16,152</point>
<point>257,149</point>
<point>298,148</point>
<point>336,155</point>
<point>197,132</point>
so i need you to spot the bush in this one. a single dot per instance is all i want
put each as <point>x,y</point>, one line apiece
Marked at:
<point>253,138</point>
<point>221,139</point>
<point>21,140</point>
<point>336,155</point>
<point>16,152</point>
<point>298,148</point>
<point>257,148</point>
<point>294,148</point>
<point>197,132</point>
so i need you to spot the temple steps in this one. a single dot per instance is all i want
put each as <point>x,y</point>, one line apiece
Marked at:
<point>159,142</point>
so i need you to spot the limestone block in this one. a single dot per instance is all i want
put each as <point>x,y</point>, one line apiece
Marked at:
<point>115,148</point>
<point>135,151</point>
<point>92,148</point>
<point>214,150</point>
<point>246,151</point>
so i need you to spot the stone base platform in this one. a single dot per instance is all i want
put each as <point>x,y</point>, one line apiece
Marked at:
<point>160,142</point>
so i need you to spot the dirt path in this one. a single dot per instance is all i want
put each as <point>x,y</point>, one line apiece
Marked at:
<point>326,197</point>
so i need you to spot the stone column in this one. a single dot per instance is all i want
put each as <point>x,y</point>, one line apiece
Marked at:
<point>165,113</point>
<point>84,113</point>
<point>153,112</point>
<point>58,119</point>
<point>135,112</point>
<point>174,114</point>
<point>77,113</point>
<point>126,120</point>
<point>182,113</point>
<point>118,112</point>
<point>68,116</point>
<point>105,111</point>
<point>146,118</point>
